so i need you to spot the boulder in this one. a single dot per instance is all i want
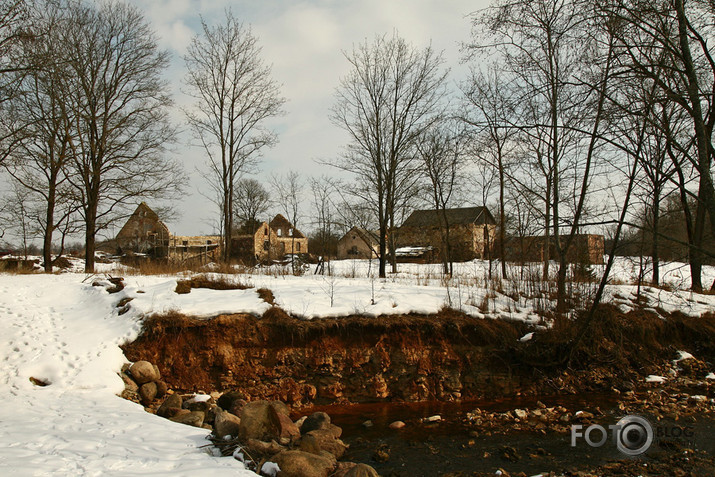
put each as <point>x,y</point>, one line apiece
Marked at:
<point>129,383</point>
<point>263,449</point>
<point>328,442</point>
<point>260,420</point>
<point>172,401</point>
<point>161,389</point>
<point>295,463</point>
<point>317,420</point>
<point>226,424</point>
<point>287,430</point>
<point>143,372</point>
<point>397,425</point>
<point>362,470</point>
<point>190,418</point>
<point>147,393</point>
<point>310,444</point>
<point>227,399</point>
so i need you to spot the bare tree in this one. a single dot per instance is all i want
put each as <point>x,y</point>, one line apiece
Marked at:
<point>288,197</point>
<point>392,95</point>
<point>121,118</point>
<point>251,201</point>
<point>564,88</point>
<point>442,160</point>
<point>235,95</point>
<point>43,109</point>
<point>490,109</point>
<point>668,43</point>
<point>323,190</point>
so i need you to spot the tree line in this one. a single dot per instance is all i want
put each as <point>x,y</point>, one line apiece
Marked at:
<point>575,115</point>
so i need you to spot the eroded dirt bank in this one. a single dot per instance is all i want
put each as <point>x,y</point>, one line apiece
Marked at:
<point>443,357</point>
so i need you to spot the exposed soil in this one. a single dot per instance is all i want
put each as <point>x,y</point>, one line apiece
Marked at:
<point>444,357</point>
<point>450,364</point>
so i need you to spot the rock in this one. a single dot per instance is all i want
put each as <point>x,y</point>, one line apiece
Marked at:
<point>227,399</point>
<point>129,383</point>
<point>143,372</point>
<point>263,449</point>
<point>226,424</point>
<point>295,463</point>
<point>328,442</point>
<point>172,401</point>
<point>260,420</point>
<point>202,406</point>
<point>368,424</point>
<point>435,418</point>
<point>287,428</point>
<point>343,468</point>
<point>382,453</point>
<point>147,393</point>
<point>520,413</point>
<point>190,418</point>
<point>161,389</point>
<point>509,453</point>
<point>310,444</point>
<point>362,470</point>
<point>317,420</point>
<point>157,372</point>
<point>397,425</point>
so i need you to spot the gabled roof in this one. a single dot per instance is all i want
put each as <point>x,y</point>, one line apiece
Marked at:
<point>367,236</point>
<point>143,213</point>
<point>460,216</point>
<point>280,222</point>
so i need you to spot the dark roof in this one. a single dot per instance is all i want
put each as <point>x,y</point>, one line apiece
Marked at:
<point>461,216</point>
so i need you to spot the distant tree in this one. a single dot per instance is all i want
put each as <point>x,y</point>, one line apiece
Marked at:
<point>121,117</point>
<point>442,159</point>
<point>393,94</point>
<point>251,202</point>
<point>323,190</point>
<point>490,110</point>
<point>287,192</point>
<point>234,95</point>
<point>44,114</point>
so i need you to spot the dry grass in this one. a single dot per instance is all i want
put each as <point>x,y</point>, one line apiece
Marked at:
<point>266,295</point>
<point>216,282</point>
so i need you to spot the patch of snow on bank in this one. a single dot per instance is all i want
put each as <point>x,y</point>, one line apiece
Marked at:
<point>61,331</point>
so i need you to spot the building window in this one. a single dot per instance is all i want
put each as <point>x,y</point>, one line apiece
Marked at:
<point>209,242</point>
<point>279,232</point>
<point>185,243</point>
<point>290,232</point>
<point>265,231</point>
<point>266,245</point>
<point>297,247</point>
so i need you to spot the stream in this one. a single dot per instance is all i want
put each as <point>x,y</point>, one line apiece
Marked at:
<point>452,447</point>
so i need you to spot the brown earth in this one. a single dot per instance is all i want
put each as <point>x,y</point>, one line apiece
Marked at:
<point>447,356</point>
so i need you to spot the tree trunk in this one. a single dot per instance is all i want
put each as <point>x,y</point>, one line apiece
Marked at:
<point>90,234</point>
<point>654,246</point>
<point>49,227</point>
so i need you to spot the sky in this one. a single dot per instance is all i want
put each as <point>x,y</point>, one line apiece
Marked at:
<point>304,42</point>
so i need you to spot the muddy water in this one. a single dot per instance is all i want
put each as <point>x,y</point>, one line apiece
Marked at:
<point>452,447</point>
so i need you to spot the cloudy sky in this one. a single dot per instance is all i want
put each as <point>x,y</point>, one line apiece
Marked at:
<point>304,41</point>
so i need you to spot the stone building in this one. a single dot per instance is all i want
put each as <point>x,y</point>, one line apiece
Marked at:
<point>586,249</point>
<point>144,233</point>
<point>472,231</point>
<point>199,248</point>
<point>268,241</point>
<point>358,243</point>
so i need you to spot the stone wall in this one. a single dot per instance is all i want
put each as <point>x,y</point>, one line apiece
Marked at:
<point>352,245</point>
<point>467,241</point>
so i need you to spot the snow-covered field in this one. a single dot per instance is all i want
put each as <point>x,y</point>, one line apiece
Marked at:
<point>62,330</point>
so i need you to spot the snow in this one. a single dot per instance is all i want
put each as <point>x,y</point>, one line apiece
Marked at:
<point>270,469</point>
<point>526,337</point>
<point>654,378</point>
<point>710,376</point>
<point>60,330</point>
<point>682,355</point>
